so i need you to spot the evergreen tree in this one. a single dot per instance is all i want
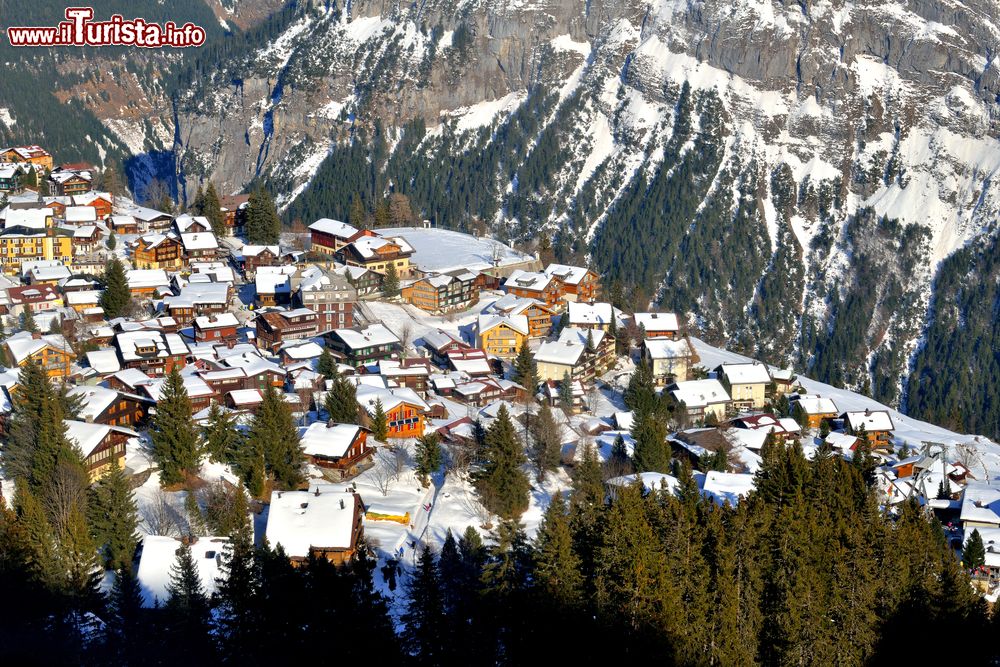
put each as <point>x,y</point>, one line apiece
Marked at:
<point>327,365</point>
<point>212,209</point>
<point>652,453</point>
<point>175,441</point>
<point>114,518</point>
<point>425,624</point>
<point>357,217</point>
<point>195,517</point>
<point>546,445</point>
<point>273,432</point>
<point>390,282</point>
<point>380,425</point>
<point>239,588</point>
<point>590,347</point>
<point>112,242</point>
<point>198,204</point>
<point>525,370</point>
<point>429,457</point>
<point>974,554</point>
<point>502,485</point>
<point>619,462</point>
<point>566,392</point>
<point>125,620</point>
<point>220,435</point>
<point>116,297</point>
<point>341,402</point>
<point>28,320</point>
<point>557,567</point>
<point>187,607</point>
<point>640,394</point>
<point>263,226</point>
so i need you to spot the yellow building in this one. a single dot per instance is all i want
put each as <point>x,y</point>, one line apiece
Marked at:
<point>50,350</point>
<point>501,336</point>
<point>33,154</point>
<point>19,244</point>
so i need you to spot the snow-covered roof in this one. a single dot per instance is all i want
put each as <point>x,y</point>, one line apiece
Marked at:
<point>23,344</point>
<point>32,218</point>
<point>200,241</point>
<point>751,373</point>
<point>656,321</point>
<point>651,481</point>
<point>120,220</point>
<point>366,246</point>
<point>723,487</point>
<point>328,440</point>
<point>577,335</point>
<point>48,273</point>
<point>666,348</point>
<point>593,313</point>
<point>571,275</point>
<point>981,503</point>
<point>80,214</point>
<point>164,344</point>
<point>194,294</point>
<point>518,323</point>
<point>145,278</point>
<point>527,280</point>
<point>301,520</point>
<point>817,405</point>
<point>368,395</point>
<point>299,350</point>
<point>840,441</point>
<point>373,334</point>
<point>88,436</point>
<point>216,321</point>
<point>561,353</point>
<point>81,297</point>
<point>274,279</point>
<point>700,393</point>
<point>341,230</point>
<point>871,420</point>
<point>246,397</point>
<point>185,221</point>
<point>104,361</point>
<point>159,554</point>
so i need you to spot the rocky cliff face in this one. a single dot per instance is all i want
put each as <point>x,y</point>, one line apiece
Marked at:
<point>833,152</point>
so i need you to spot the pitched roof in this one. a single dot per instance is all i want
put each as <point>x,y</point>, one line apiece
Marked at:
<point>746,373</point>
<point>336,228</point>
<point>300,521</point>
<point>328,440</point>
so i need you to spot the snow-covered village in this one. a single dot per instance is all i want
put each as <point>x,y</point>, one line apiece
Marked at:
<point>459,424</point>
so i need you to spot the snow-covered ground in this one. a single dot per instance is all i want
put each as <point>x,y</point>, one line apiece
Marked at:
<point>446,250</point>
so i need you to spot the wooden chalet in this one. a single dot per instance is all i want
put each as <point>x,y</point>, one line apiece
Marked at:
<point>277,327</point>
<point>319,523</point>
<point>341,450</point>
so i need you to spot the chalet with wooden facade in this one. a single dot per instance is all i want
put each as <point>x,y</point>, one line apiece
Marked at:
<point>158,251</point>
<point>500,335</point>
<point>814,409</point>
<point>100,445</point>
<point>361,347</point>
<point>31,154</point>
<point>153,352</point>
<point>278,327</point>
<point>577,283</point>
<point>319,523</point>
<point>404,410</point>
<point>341,450</point>
<point>538,286</point>
<point>657,325</point>
<point>51,351</point>
<point>329,236</point>
<point>875,425</point>
<point>443,292</point>
<point>221,328</point>
<point>538,313</point>
<point>376,253</point>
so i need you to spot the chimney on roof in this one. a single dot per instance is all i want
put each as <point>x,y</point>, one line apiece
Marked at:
<point>868,412</point>
<point>316,492</point>
<point>341,503</point>
<point>36,335</point>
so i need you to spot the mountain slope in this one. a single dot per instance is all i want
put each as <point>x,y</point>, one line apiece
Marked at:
<point>791,175</point>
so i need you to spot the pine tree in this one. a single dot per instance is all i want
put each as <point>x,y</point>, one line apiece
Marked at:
<point>28,320</point>
<point>425,625</point>
<point>566,392</point>
<point>196,520</point>
<point>380,425</point>
<point>212,209</point>
<point>341,402</point>
<point>557,566</point>
<point>651,451</point>
<point>640,394</point>
<point>525,370</point>
<point>327,365</point>
<point>273,432</point>
<point>546,445</point>
<point>503,487</point>
<point>974,554</point>
<point>390,282</point>
<point>175,441</point>
<point>78,556</point>
<point>198,204</point>
<point>357,217</point>
<point>263,226</point>
<point>116,297</point>
<point>590,347</point>
<point>239,588</point>
<point>187,605</point>
<point>220,435</point>
<point>619,462</point>
<point>429,457</point>
<point>112,242</point>
<point>125,621</point>
<point>114,518</point>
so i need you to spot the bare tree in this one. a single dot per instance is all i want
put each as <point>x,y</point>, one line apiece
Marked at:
<point>160,518</point>
<point>66,492</point>
<point>384,472</point>
<point>405,338</point>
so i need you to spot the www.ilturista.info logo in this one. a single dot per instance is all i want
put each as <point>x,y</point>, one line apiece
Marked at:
<point>79,30</point>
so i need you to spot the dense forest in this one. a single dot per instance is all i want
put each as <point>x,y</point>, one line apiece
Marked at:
<point>805,571</point>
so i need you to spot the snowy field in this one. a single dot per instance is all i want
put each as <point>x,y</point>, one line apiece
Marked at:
<point>447,250</point>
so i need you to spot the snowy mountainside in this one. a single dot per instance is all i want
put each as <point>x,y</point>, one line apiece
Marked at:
<point>791,175</point>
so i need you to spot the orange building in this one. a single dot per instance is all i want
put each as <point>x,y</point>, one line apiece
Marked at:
<point>404,410</point>
<point>50,350</point>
